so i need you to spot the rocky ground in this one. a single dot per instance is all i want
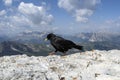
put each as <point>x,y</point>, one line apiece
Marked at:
<point>89,65</point>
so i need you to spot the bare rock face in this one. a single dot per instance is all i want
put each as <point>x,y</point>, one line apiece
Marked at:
<point>89,65</point>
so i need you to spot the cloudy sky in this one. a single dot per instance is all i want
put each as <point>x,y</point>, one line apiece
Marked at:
<point>59,16</point>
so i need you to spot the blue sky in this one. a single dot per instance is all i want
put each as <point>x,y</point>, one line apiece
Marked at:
<point>59,16</point>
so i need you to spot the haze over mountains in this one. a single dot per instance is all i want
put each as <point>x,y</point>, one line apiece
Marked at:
<point>32,43</point>
<point>84,36</point>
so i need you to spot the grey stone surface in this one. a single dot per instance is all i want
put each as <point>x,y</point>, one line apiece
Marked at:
<point>89,65</point>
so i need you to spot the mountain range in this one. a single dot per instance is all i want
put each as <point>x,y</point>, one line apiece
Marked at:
<point>32,43</point>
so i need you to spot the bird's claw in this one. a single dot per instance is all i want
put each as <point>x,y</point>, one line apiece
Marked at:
<point>52,53</point>
<point>64,56</point>
<point>92,50</point>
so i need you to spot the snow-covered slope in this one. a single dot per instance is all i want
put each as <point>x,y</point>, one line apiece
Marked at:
<point>89,65</point>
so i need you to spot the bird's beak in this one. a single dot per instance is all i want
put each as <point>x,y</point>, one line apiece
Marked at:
<point>45,39</point>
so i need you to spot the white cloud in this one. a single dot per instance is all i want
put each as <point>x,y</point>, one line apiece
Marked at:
<point>111,25</point>
<point>81,15</point>
<point>7,2</point>
<point>26,16</point>
<point>37,14</point>
<point>81,9</point>
<point>2,12</point>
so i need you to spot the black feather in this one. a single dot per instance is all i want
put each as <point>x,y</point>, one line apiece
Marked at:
<point>78,47</point>
<point>61,44</point>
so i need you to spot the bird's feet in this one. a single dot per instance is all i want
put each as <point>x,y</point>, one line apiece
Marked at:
<point>64,55</point>
<point>52,53</point>
<point>92,50</point>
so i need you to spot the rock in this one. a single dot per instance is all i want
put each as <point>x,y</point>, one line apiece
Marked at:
<point>89,65</point>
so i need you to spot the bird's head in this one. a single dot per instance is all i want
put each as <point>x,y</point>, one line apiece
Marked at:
<point>49,36</point>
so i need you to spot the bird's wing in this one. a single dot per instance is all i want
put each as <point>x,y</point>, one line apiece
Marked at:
<point>61,44</point>
<point>56,42</point>
<point>65,43</point>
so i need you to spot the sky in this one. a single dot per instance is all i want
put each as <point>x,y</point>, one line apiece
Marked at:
<point>59,16</point>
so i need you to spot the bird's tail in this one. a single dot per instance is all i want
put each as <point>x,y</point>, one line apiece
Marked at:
<point>78,47</point>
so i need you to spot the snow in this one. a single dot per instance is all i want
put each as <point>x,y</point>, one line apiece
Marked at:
<point>89,65</point>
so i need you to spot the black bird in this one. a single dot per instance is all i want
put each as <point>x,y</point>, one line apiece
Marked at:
<point>60,44</point>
